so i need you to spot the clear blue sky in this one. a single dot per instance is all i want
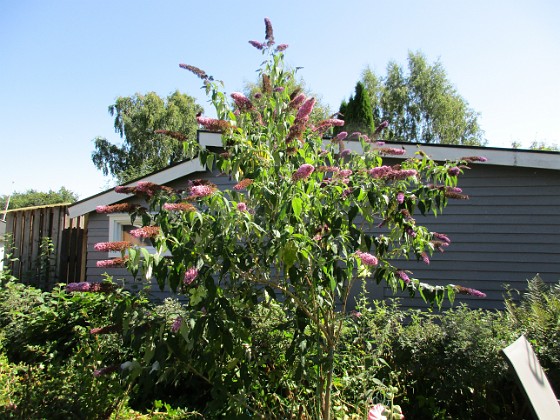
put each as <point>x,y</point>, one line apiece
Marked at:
<point>62,63</point>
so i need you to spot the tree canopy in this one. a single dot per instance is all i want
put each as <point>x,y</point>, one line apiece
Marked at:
<point>421,105</point>
<point>357,112</point>
<point>31,198</point>
<point>141,121</point>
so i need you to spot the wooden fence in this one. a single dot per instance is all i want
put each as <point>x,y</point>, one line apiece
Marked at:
<point>47,247</point>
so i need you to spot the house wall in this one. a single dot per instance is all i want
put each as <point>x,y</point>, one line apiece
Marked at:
<point>98,231</point>
<point>506,233</point>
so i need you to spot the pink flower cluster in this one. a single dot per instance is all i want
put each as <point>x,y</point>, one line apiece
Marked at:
<point>297,101</point>
<point>112,263</point>
<point>89,287</point>
<point>212,124</point>
<point>387,172</point>
<point>200,191</point>
<point>403,276</point>
<point>392,151</point>
<point>242,102</point>
<point>117,246</point>
<point>242,207</point>
<point>179,207</point>
<point>367,258</point>
<point>441,237</point>
<point>176,326</point>
<point>376,412</point>
<point>331,122</point>
<point>190,275</point>
<point>118,208</point>
<point>303,172</point>
<point>145,232</point>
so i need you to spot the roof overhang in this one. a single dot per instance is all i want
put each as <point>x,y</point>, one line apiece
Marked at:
<point>161,177</point>
<point>439,152</point>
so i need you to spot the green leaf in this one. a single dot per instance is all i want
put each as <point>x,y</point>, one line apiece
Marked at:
<point>297,206</point>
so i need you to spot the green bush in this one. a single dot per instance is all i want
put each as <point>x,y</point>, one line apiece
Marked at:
<point>51,356</point>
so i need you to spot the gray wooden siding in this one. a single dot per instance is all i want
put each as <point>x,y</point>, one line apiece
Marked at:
<point>98,231</point>
<point>506,233</point>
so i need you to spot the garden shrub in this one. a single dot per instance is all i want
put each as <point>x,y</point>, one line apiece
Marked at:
<point>52,355</point>
<point>300,227</point>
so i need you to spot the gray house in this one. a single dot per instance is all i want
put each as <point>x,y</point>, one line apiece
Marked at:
<point>507,232</point>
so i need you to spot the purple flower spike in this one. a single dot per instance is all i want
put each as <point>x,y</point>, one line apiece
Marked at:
<point>342,135</point>
<point>303,172</point>
<point>403,276</point>
<point>258,45</point>
<point>454,171</point>
<point>269,34</point>
<point>305,110</point>
<point>468,291</point>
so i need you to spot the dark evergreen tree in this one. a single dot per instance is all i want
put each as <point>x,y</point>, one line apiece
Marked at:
<point>357,113</point>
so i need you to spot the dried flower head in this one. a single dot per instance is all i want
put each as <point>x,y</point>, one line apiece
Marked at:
<point>195,70</point>
<point>183,206</point>
<point>118,208</point>
<point>173,134</point>
<point>474,159</point>
<point>212,124</point>
<point>241,185</point>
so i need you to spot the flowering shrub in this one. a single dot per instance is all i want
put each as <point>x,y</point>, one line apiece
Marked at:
<point>300,228</point>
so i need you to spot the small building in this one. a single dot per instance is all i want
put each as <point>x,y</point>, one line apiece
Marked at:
<point>506,233</point>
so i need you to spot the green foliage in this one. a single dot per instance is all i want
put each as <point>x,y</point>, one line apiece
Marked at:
<point>421,105</point>
<point>32,198</point>
<point>297,231</point>
<point>536,145</point>
<point>51,354</point>
<point>357,112</point>
<point>435,365</point>
<point>137,118</point>
<point>538,317</point>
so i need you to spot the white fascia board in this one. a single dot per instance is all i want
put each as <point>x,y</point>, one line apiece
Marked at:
<point>111,197</point>
<point>495,156</point>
